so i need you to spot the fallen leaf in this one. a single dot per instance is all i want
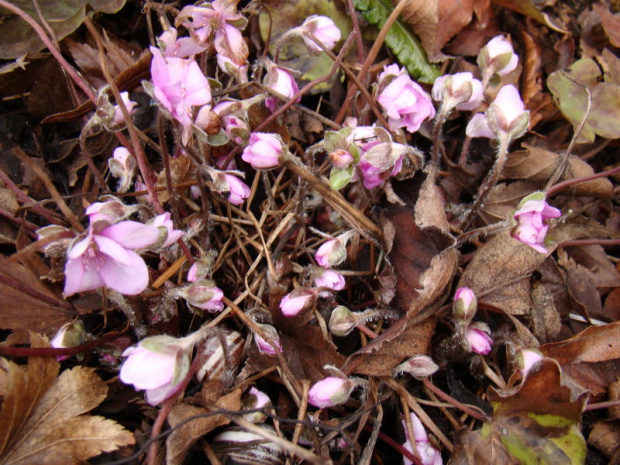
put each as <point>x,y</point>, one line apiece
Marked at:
<point>500,274</point>
<point>183,437</point>
<point>27,304</point>
<point>42,418</point>
<point>610,23</point>
<point>594,344</point>
<point>535,423</point>
<point>605,436</point>
<point>503,200</point>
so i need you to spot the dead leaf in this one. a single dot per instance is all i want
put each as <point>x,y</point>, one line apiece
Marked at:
<point>503,200</point>
<point>545,318</point>
<point>42,418</point>
<point>27,304</point>
<point>596,264</point>
<point>536,423</point>
<point>605,436</point>
<point>535,164</point>
<point>183,437</point>
<point>610,23</point>
<point>500,274</point>
<point>594,344</point>
<point>180,170</point>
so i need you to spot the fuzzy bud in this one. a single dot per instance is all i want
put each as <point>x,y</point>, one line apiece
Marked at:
<point>477,338</point>
<point>464,306</point>
<point>298,301</point>
<point>418,366</point>
<point>272,344</point>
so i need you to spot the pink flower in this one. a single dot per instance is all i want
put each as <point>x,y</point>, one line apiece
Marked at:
<point>182,47</point>
<point>531,221</point>
<point>203,294</point>
<point>380,162</point>
<point>266,346</point>
<point>478,338</point>
<point>129,104</point>
<point>425,450</point>
<point>158,365</point>
<point>465,305</point>
<point>179,86</point>
<point>458,90</point>
<point>298,300</point>
<point>282,82</point>
<point>253,400</point>
<point>218,22</point>
<point>527,358</point>
<point>240,73</point>
<point>324,29</point>
<point>264,151</point>
<point>405,102</point>
<point>330,280</point>
<point>166,227</point>
<point>333,252</point>
<point>498,57</point>
<point>505,118</point>
<point>236,128</point>
<point>106,258</point>
<point>330,391</point>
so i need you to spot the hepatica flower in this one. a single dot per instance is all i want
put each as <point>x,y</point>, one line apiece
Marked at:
<point>106,258</point>
<point>325,31</point>
<point>531,219</point>
<point>281,81</point>
<point>179,85</point>
<point>264,151</point>
<point>425,450</point>
<point>405,102</point>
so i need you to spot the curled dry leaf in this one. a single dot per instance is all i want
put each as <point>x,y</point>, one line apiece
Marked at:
<point>536,423</point>
<point>424,259</point>
<point>499,274</point>
<point>43,417</point>
<point>605,436</point>
<point>610,23</point>
<point>536,164</point>
<point>594,344</point>
<point>503,200</point>
<point>183,437</point>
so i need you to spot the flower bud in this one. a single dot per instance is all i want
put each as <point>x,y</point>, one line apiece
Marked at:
<point>329,280</point>
<point>118,117</point>
<point>69,335</point>
<point>252,400</point>
<point>418,366</point>
<point>333,252</point>
<point>281,81</point>
<point>169,235</point>
<point>458,90</point>
<point>531,218</point>
<point>323,29</point>
<point>341,159</point>
<point>330,391</point>
<point>498,57</point>
<point>202,294</point>
<point>527,358</point>
<point>122,166</point>
<point>477,338</point>
<point>297,301</point>
<point>264,151</point>
<point>464,306</point>
<point>342,320</point>
<point>271,345</point>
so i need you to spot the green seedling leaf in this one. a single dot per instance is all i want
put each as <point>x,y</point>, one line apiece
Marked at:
<point>536,423</point>
<point>569,90</point>
<point>405,45</point>
<point>17,38</point>
<point>340,178</point>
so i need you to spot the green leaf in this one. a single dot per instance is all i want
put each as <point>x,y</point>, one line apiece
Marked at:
<point>403,43</point>
<point>339,178</point>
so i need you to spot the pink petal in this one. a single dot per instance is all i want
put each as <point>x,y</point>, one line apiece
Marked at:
<point>146,369</point>
<point>479,127</point>
<point>130,279</point>
<point>131,234</point>
<point>79,278</point>
<point>112,249</point>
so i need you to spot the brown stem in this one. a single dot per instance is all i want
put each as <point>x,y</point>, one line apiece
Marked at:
<point>448,398</point>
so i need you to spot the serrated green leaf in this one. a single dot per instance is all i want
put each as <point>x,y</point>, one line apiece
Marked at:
<point>403,43</point>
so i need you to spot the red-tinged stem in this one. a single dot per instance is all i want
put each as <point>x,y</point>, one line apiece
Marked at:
<point>397,446</point>
<point>569,182</point>
<point>367,331</point>
<point>53,50</point>
<point>600,405</point>
<point>10,351</point>
<point>448,398</point>
<point>44,212</point>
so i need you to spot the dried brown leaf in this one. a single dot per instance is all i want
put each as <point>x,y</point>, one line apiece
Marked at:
<point>546,322</point>
<point>43,420</point>
<point>500,274</point>
<point>610,23</point>
<point>503,200</point>
<point>594,344</point>
<point>536,164</point>
<point>27,304</point>
<point>605,436</point>
<point>596,263</point>
<point>183,437</point>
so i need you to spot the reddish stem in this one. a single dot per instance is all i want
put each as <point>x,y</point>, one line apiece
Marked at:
<point>569,182</point>
<point>397,446</point>
<point>448,398</point>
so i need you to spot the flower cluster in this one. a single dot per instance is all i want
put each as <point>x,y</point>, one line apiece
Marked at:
<point>475,336</point>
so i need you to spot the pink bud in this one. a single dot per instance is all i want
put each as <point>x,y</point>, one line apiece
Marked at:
<point>418,366</point>
<point>341,159</point>
<point>531,219</point>
<point>272,344</point>
<point>330,280</point>
<point>498,56</point>
<point>299,300</point>
<point>527,358</point>
<point>425,450</point>
<point>324,29</point>
<point>255,399</point>
<point>465,305</point>
<point>264,151</point>
<point>330,391</point>
<point>478,338</point>
<point>129,104</point>
<point>69,335</point>
<point>205,295</point>
<point>165,225</point>
<point>281,81</point>
<point>458,90</point>
<point>333,252</point>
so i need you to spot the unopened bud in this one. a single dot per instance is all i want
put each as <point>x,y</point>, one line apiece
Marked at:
<point>299,300</point>
<point>477,338</point>
<point>203,294</point>
<point>330,391</point>
<point>527,358</point>
<point>343,320</point>
<point>464,306</point>
<point>69,335</point>
<point>252,400</point>
<point>271,343</point>
<point>418,366</point>
<point>333,252</point>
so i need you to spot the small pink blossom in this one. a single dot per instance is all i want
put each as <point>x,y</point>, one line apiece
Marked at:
<point>498,57</point>
<point>129,104</point>
<point>381,162</point>
<point>298,300</point>
<point>166,227</point>
<point>157,365</point>
<point>219,23</point>
<point>531,219</point>
<point>106,258</point>
<point>236,128</point>
<point>240,73</point>
<point>331,281</point>
<point>281,81</point>
<point>272,344</point>
<point>182,47</point>
<point>264,151</point>
<point>334,251</point>
<point>204,294</point>
<point>460,91</point>
<point>325,31</point>
<point>179,85</point>
<point>330,391</point>
<point>465,305</point>
<point>477,338</point>
<point>405,102</point>
<point>505,118</point>
<point>254,400</point>
<point>425,450</point>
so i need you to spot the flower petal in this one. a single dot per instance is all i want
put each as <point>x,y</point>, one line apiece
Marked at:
<point>130,279</point>
<point>131,234</point>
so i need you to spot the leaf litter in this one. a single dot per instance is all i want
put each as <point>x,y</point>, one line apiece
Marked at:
<point>238,283</point>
